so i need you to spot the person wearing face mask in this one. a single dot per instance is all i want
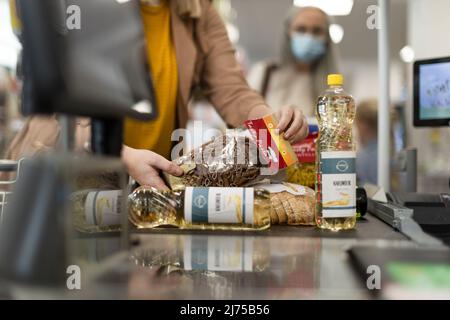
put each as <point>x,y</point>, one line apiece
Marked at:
<point>307,57</point>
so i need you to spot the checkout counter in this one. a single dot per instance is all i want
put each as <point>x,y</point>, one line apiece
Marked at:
<point>284,262</point>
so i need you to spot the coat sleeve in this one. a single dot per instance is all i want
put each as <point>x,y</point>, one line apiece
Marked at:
<point>222,80</point>
<point>41,134</point>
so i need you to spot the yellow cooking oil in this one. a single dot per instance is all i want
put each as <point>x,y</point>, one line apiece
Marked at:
<point>201,208</point>
<point>335,160</point>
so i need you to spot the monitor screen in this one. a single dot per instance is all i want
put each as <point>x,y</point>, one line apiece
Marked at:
<point>432,92</point>
<point>96,69</point>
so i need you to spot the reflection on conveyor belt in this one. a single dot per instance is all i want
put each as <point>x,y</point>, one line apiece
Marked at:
<point>221,265</point>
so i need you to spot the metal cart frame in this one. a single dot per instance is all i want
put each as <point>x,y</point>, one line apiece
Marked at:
<point>8,166</point>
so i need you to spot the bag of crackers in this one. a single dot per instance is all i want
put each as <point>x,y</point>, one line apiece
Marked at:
<point>240,157</point>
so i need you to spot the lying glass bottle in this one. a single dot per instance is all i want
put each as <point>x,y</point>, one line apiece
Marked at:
<point>96,210</point>
<point>201,208</point>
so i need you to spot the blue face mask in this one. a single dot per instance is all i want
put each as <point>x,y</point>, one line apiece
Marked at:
<point>307,48</point>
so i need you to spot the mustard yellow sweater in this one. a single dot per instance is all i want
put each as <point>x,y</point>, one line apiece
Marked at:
<point>155,135</point>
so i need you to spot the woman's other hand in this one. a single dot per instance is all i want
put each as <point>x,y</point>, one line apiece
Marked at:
<point>292,124</point>
<point>144,166</point>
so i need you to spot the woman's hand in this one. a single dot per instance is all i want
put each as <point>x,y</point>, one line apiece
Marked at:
<point>292,123</point>
<point>143,166</point>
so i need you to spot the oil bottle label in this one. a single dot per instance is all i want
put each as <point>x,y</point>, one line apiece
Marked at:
<point>218,205</point>
<point>102,208</point>
<point>338,184</point>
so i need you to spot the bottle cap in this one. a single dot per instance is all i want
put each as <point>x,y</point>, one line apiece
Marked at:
<point>335,79</point>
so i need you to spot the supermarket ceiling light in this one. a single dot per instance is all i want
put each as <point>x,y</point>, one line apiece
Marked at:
<point>407,54</point>
<point>330,7</point>
<point>336,33</point>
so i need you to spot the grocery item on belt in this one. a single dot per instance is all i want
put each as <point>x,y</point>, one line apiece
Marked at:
<point>336,158</point>
<point>304,172</point>
<point>237,158</point>
<point>274,148</point>
<point>229,160</point>
<point>200,208</point>
<point>292,204</point>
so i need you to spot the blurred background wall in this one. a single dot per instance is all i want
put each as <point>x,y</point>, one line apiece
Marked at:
<point>428,27</point>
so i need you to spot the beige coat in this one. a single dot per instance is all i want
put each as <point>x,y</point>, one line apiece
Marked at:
<point>205,58</point>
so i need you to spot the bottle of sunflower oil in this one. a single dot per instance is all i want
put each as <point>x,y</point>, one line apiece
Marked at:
<point>335,160</point>
<point>201,208</point>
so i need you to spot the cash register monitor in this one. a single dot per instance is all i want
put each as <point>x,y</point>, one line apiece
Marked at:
<point>86,58</point>
<point>432,92</point>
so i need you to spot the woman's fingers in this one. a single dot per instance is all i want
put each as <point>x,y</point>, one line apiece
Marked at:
<point>143,166</point>
<point>158,183</point>
<point>285,117</point>
<point>165,165</point>
<point>301,134</point>
<point>152,180</point>
<point>295,126</point>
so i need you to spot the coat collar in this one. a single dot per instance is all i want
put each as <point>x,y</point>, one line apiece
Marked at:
<point>189,8</point>
<point>185,51</point>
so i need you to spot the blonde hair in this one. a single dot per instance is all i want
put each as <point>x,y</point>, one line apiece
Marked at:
<point>324,66</point>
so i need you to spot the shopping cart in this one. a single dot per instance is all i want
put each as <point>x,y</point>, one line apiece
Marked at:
<point>8,166</point>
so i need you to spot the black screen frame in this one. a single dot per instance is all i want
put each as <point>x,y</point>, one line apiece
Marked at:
<point>418,122</point>
<point>54,81</point>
